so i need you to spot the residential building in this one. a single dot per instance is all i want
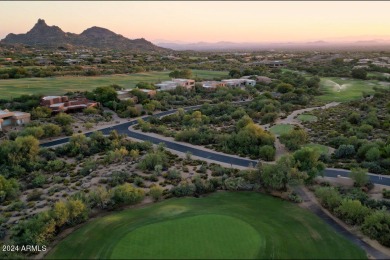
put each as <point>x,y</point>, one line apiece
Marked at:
<point>150,92</point>
<point>239,82</point>
<point>166,85</point>
<point>212,84</point>
<point>126,95</point>
<point>187,83</point>
<point>174,83</point>
<point>13,118</point>
<point>50,100</point>
<point>270,63</point>
<point>63,104</point>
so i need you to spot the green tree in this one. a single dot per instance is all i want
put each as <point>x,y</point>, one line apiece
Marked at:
<point>373,154</point>
<point>78,211</point>
<point>105,94</point>
<point>63,119</point>
<point>359,176</point>
<point>35,131</point>
<point>41,112</point>
<point>267,152</point>
<point>127,194</point>
<point>8,188</point>
<point>307,161</point>
<point>294,139</point>
<point>38,230</point>
<point>24,149</point>
<point>142,96</point>
<point>352,211</point>
<point>60,213</point>
<point>235,73</point>
<point>181,74</point>
<point>51,130</point>
<point>345,151</point>
<point>279,175</point>
<point>377,226</point>
<point>285,87</point>
<point>359,73</point>
<point>329,197</point>
<point>145,85</point>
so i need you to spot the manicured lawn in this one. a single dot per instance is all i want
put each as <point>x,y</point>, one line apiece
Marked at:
<point>227,237</point>
<point>307,118</point>
<point>60,85</point>
<point>223,225</point>
<point>281,129</point>
<point>347,89</point>
<point>321,148</point>
<point>378,74</point>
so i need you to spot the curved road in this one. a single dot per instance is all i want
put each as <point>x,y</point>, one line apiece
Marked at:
<point>224,158</point>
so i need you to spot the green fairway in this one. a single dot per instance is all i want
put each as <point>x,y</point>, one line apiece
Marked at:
<point>60,85</point>
<point>347,89</point>
<point>227,237</point>
<point>281,129</point>
<point>307,118</point>
<point>378,74</point>
<point>223,225</point>
<point>321,148</point>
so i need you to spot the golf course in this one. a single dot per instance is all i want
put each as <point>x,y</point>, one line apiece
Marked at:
<point>11,88</point>
<point>224,225</point>
<point>347,89</point>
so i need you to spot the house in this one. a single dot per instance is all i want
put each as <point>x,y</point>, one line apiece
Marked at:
<point>13,118</point>
<point>187,83</point>
<point>150,92</point>
<point>212,84</point>
<point>174,83</point>
<point>270,63</point>
<point>166,85</point>
<point>239,82</point>
<point>63,104</point>
<point>126,95</point>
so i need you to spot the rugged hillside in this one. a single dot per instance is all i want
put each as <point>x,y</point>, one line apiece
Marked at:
<point>95,37</point>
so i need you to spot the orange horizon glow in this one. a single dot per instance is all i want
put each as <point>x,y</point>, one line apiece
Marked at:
<point>208,21</point>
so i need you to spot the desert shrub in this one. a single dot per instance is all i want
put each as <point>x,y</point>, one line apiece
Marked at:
<point>183,189</point>
<point>377,226</point>
<point>386,194</point>
<point>127,194</point>
<point>329,197</point>
<point>156,192</point>
<point>150,161</point>
<point>352,211</point>
<point>267,153</point>
<point>345,151</point>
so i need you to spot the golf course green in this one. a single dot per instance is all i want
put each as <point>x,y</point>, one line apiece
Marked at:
<point>347,89</point>
<point>224,225</point>
<point>11,88</point>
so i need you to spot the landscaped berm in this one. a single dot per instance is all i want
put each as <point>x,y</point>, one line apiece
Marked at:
<point>222,225</point>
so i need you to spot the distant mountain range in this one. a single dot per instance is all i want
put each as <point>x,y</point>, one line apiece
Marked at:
<point>231,46</point>
<point>95,37</point>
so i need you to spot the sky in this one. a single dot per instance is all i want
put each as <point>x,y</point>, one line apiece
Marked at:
<point>208,21</point>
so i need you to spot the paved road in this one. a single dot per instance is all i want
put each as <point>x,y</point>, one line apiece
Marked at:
<point>224,158</point>
<point>316,209</point>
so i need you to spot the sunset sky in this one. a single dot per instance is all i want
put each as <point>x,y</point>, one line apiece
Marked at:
<point>208,21</point>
